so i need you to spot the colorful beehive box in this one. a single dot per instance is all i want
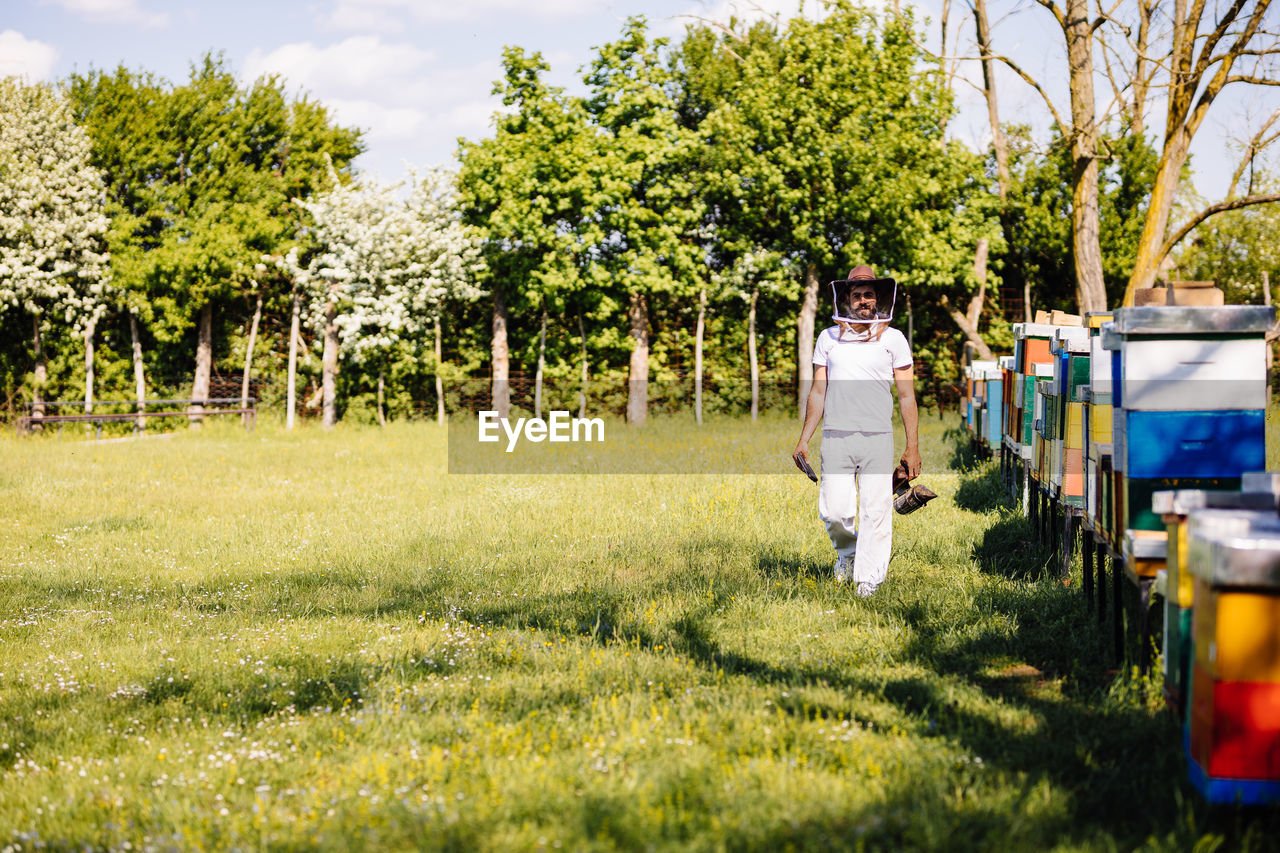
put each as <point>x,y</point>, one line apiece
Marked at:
<point>1189,391</point>
<point>976,374</point>
<point>1031,345</point>
<point>1089,464</point>
<point>1174,507</point>
<point>1145,552</point>
<point>992,427</point>
<point>1043,382</point>
<point>1234,716</point>
<point>1007,374</point>
<point>1071,348</point>
<point>1099,380</point>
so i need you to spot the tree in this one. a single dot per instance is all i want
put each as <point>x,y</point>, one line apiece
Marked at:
<point>1081,132</point>
<point>752,274</point>
<point>1203,51</point>
<point>530,193</point>
<point>832,152</point>
<point>649,211</point>
<point>442,262</point>
<point>53,257</point>
<point>1238,250</point>
<point>381,269</point>
<point>199,176</point>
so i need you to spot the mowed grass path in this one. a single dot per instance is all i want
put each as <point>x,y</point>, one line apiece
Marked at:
<point>323,640</point>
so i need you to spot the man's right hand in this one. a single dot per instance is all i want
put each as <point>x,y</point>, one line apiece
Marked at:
<point>801,452</point>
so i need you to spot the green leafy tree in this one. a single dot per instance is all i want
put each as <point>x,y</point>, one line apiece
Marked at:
<point>650,211</point>
<point>199,177</point>
<point>831,151</point>
<point>530,192</point>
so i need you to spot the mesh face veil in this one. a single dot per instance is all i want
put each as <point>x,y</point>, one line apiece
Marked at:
<point>845,308</point>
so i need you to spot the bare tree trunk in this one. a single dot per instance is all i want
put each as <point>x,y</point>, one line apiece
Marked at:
<point>582,394</point>
<point>295,333</point>
<point>248,352</point>
<point>1141,76</point>
<point>204,364</point>
<point>439,379</point>
<point>139,377</point>
<point>1091,293</point>
<point>638,376</point>
<point>968,322</point>
<point>1146,264</point>
<point>329,367</point>
<point>971,334</point>
<point>501,365</point>
<point>697,355</point>
<point>804,337</point>
<point>89,329</point>
<point>974,313</point>
<point>41,377</point>
<point>998,143</point>
<point>751,355</point>
<point>382,416</point>
<point>542,364</point>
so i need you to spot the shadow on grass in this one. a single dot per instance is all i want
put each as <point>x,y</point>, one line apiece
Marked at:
<point>778,564</point>
<point>1007,549</point>
<point>982,492</point>
<point>965,453</point>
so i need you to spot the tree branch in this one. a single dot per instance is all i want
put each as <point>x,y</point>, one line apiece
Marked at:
<point>1255,81</point>
<point>970,332</point>
<point>1211,40</point>
<point>1259,141</point>
<point>1220,207</point>
<point>1057,13</point>
<point>1063,128</point>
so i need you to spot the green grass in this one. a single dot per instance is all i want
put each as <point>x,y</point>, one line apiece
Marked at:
<point>290,641</point>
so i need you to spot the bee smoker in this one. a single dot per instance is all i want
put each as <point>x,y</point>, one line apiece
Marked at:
<point>906,497</point>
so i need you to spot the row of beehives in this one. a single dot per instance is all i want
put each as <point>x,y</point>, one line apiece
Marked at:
<point>1150,425</point>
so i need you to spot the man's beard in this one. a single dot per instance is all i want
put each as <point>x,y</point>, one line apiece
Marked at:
<point>864,313</point>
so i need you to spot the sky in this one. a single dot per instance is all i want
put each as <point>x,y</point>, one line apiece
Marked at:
<point>417,74</point>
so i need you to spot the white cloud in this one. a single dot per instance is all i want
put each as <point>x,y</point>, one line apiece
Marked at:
<point>391,15</point>
<point>113,11</point>
<point>23,57</point>
<point>410,105</point>
<point>356,67</point>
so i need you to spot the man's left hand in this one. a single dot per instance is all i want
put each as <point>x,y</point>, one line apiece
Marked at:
<point>911,459</point>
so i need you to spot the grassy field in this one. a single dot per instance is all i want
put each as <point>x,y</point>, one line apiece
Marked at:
<point>322,640</point>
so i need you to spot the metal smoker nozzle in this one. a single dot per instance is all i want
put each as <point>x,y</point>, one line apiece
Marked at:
<point>906,497</point>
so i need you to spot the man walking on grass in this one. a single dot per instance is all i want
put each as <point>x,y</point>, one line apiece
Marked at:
<point>855,363</point>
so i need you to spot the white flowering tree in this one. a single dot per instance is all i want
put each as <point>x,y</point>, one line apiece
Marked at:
<point>53,259</point>
<point>444,261</point>
<point>381,270</point>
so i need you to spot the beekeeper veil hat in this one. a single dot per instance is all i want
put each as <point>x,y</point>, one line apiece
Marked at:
<point>860,276</point>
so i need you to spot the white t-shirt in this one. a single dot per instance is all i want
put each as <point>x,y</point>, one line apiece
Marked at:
<point>860,378</point>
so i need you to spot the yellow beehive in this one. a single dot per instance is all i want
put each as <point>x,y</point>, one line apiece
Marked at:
<point>1075,435</point>
<point>1237,634</point>
<point>1100,423</point>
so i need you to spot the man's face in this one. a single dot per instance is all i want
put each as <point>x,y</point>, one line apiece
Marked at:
<point>862,301</point>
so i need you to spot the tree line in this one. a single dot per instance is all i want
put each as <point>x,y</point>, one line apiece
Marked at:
<point>660,238</point>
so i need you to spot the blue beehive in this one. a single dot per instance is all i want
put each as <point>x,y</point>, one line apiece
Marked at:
<point>1189,391</point>
<point>995,407</point>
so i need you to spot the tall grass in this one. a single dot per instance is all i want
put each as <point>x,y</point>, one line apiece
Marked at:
<point>323,640</point>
